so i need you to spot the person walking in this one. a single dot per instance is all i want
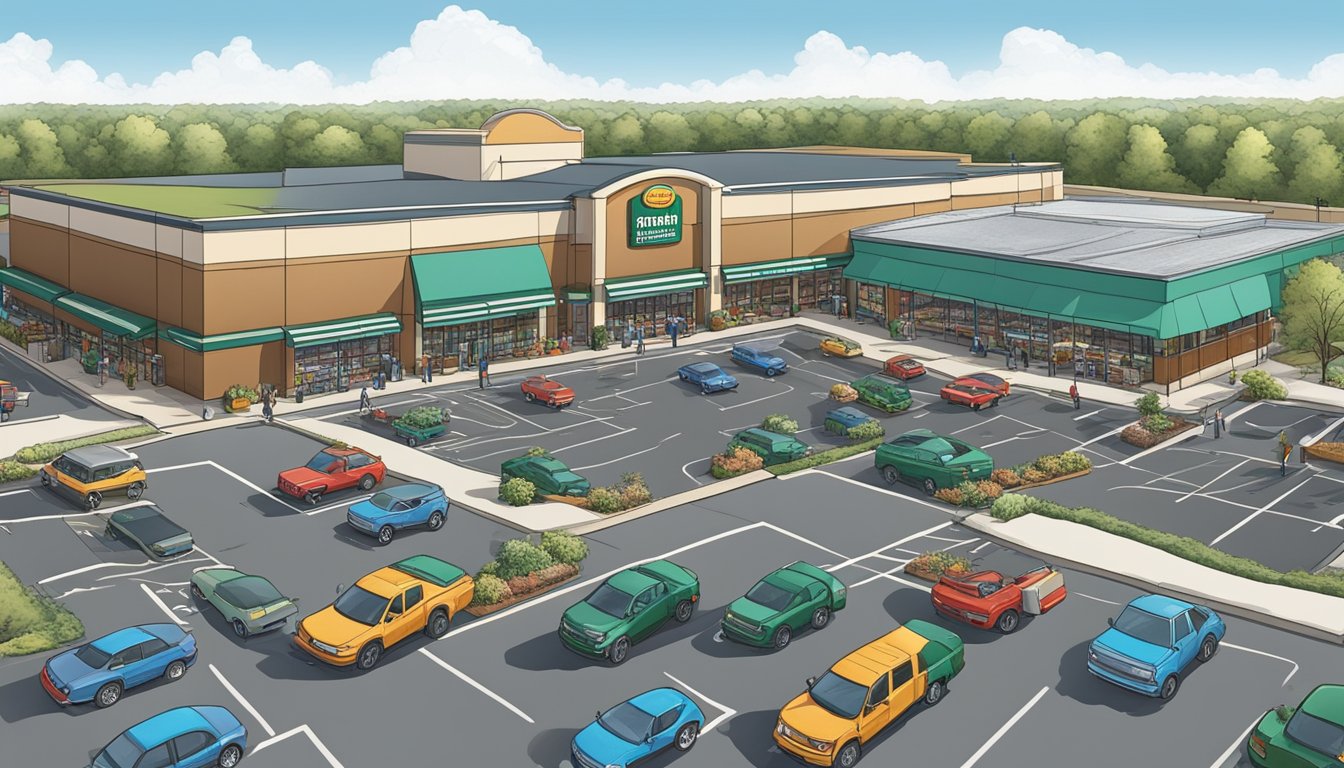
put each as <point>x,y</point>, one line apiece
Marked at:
<point>1009,359</point>
<point>1073,394</point>
<point>1218,424</point>
<point>1285,450</point>
<point>365,404</point>
<point>483,371</point>
<point>266,405</point>
<point>1026,358</point>
<point>674,330</point>
<point>639,349</point>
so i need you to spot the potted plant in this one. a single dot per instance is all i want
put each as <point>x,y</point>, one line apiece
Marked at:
<point>130,376</point>
<point>236,398</point>
<point>1232,376</point>
<point>600,338</point>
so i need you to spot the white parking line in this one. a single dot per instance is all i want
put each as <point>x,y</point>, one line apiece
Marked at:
<point>246,704</point>
<point>922,534</point>
<point>163,607</point>
<point>1101,437</point>
<point>861,484</point>
<point>93,567</point>
<point>156,568</point>
<point>1257,512</point>
<point>1267,655</point>
<point>757,400</point>
<point>377,404</point>
<point>1086,415</point>
<point>1236,745</point>
<point>594,440</point>
<point>977,424</point>
<point>500,699</point>
<point>1316,437</point>
<point>306,731</point>
<point>688,474</point>
<point>38,518</point>
<point>1004,729</point>
<point>21,490</point>
<point>475,443</point>
<point>1260,459</point>
<point>1234,468</point>
<point>982,546</point>
<point>1098,599</point>
<point>626,456</point>
<point>803,539</point>
<point>631,389</point>
<point>345,503</point>
<point>712,724</point>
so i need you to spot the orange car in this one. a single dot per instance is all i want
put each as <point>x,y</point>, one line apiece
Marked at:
<point>384,608</point>
<point>548,391</point>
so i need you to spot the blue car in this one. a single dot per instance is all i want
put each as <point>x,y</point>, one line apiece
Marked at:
<point>760,357</point>
<point>1152,643</point>
<point>638,729</point>
<point>841,420</point>
<point>708,376</point>
<point>396,508</point>
<point>186,737</point>
<point>105,668</point>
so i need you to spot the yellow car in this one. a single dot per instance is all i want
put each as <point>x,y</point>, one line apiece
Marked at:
<point>866,691</point>
<point>88,474</point>
<point>384,608</point>
<point>834,345</point>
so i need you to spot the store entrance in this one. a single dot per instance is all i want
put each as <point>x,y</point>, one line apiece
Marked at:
<point>340,366</point>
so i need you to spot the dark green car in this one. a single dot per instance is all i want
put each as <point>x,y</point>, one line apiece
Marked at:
<point>1310,736</point>
<point>883,392</point>
<point>931,461</point>
<point>772,447</point>
<point>551,477</point>
<point>629,607</point>
<point>796,596</point>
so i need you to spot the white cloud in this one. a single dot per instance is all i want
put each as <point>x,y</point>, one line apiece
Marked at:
<point>466,54</point>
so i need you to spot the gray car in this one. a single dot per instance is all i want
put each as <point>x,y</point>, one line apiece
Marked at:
<point>144,525</point>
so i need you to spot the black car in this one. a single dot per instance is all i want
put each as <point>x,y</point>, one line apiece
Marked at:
<point>145,526</point>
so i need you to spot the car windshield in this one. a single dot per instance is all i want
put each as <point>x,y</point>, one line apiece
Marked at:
<point>384,501</point>
<point>840,696</point>
<point>769,595</point>
<point>249,592</point>
<point>92,656</point>
<point>627,722</point>
<point>77,471</point>
<point>361,605</point>
<point>322,462</point>
<point>121,753</point>
<point>1144,626</point>
<point>610,601</point>
<point>1313,732</point>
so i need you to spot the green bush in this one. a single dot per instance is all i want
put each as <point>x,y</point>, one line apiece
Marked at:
<point>1149,405</point>
<point>1074,461</point>
<point>972,495</point>
<point>868,430</point>
<point>564,547</point>
<point>1010,506</point>
<point>491,568</point>
<point>14,333</point>
<point>519,557</point>
<point>423,417</point>
<point>31,623</point>
<point>599,338</point>
<point>517,492</point>
<point>240,391</point>
<point>11,471</point>
<point>824,457</point>
<point>44,452</point>
<point>1157,423</point>
<point>1335,378</point>
<point>535,451</point>
<point>604,501</point>
<point>490,589</point>
<point>1262,386</point>
<point>780,424</point>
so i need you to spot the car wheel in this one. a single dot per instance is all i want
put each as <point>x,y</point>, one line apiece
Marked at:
<point>439,621</point>
<point>975,407</point>
<point>1207,649</point>
<point>366,483</point>
<point>529,397</point>
<point>197,593</point>
<point>619,651</point>
<point>783,636</point>
<point>385,535</point>
<point>848,756</point>
<point>45,478</point>
<point>411,441</point>
<point>135,490</point>
<point>230,755</point>
<point>681,376</point>
<point>312,497</point>
<point>770,371</point>
<point>369,656</point>
<point>994,403</point>
<point>239,628</point>
<point>934,693</point>
<point>92,499</point>
<point>821,617</point>
<point>435,521</point>
<point>930,487</point>
<point>704,389</point>
<point>175,671</point>
<point>686,736</point>
<point>1169,687</point>
<point>108,695</point>
<point>1008,621</point>
<point>891,475</point>
<point>684,610</point>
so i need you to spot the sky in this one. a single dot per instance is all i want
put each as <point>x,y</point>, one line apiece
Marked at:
<point>301,51</point>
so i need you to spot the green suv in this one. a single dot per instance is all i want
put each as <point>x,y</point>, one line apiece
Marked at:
<point>931,461</point>
<point>772,447</point>
<point>551,477</point>
<point>883,392</point>
<point>628,607</point>
<point>797,596</point>
<point>1310,735</point>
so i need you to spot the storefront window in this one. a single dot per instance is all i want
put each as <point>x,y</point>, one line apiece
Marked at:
<point>873,302</point>
<point>928,311</point>
<point>960,321</point>
<point>37,322</point>
<point>761,297</point>
<point>815,289</point>
<point>341,365</point>
<point>580,324</point>
<point>989,323</point>
<point>650,312</point>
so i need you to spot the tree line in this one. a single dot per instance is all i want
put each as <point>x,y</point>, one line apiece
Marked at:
<point>1265,149</point>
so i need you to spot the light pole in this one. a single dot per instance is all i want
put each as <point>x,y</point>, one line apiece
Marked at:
<point>1320,202</point>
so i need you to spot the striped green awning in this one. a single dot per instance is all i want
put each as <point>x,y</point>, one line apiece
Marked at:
<point>1252,295</point>
<point>37,287</point>
<point>458,287</point>
<point>782,267</point>
<point>655,285</point>
<point>484,310</point>
<point>198,343</point>
<point>114,320</point>
<point>312,334</point>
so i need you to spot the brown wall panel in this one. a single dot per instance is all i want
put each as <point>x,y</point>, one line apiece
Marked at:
<point>624,261</point>
<point>1029,196</point>
<point>40,249</point>
<point>173,373</point>
<point>821,234</point>
<point>962,202</point>
<point>582,260</point>
<point>332,290</point>
<point>936,206</point>
<point>559,261</point>
<point>243,299</point>
<point>193,300</point>
<point>122,277</point>
<point>760,240</point>
<point>193,367</point>
<point>170,292</point>
<point>249,366</point>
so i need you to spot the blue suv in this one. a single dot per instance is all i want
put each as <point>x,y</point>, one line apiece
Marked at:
<point>1152,643</point>
<point>759,357</point>
<point>708,376</point>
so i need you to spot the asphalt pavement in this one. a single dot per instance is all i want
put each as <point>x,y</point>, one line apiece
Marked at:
<point>49,397</point>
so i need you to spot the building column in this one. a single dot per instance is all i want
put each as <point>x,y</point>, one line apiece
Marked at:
<point>599,230</point>
<point>543,331</point>
<point>711,220</point>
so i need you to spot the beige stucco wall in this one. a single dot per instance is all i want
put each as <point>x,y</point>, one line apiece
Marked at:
<point>233,246</point>
<point>308,242</point>
<point>21,207</point>
<point>118,229</point>
<point>447,161</point>
<point>168,240</point>
<point>431,234</point>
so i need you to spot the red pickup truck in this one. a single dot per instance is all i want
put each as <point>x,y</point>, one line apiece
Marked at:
<point>987,599</point>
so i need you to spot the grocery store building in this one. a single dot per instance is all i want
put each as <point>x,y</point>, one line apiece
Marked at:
<point>501,241</point>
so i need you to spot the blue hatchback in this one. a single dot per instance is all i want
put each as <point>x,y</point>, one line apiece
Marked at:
<point>186,737</point>
<point>637,729</point>
<point>841,420</point>
<point>102,670</point>
<point>1152,643</point>
<point>403,506</point>
<point>708,376</point>
<point>759,357</point>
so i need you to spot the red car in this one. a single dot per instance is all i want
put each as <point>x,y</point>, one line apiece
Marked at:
<point>332,469</point>
<point>974,396</point>
<point>903,367</point>
<point>986,381</point>
<point>548,391</point>
<point>986,599</point>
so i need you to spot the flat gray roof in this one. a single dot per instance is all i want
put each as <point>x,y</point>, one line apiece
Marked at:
<point>1131,237</point>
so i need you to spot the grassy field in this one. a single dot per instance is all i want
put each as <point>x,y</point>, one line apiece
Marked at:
<point>30,623</point>
<point>4,210</point>
<point>190,202</point>
<point>1296,358</point>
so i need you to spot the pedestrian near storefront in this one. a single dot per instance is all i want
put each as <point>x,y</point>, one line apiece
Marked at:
<point>483,371</point>
<point>426,372</point>
<point>1009,359</point>
<point>1073,394</point>
<point>365,404</point>
<point>1218,424</point>
<point>102,370</point>
<point>267,403</point>
<point>639,350</point>
<point>1026,358</point>
<point>673,330</point>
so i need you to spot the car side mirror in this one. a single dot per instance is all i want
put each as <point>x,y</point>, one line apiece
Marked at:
<point>340,588</point>
<point>598,716</point>
<point>390,617</point>
<point>115,665</point>
<point>1110,621</point>
<point>811,681</point>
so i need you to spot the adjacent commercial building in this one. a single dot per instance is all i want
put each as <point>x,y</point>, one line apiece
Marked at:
<point>502,241</point>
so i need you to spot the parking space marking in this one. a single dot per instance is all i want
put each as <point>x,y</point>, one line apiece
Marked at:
<point>631,389</point>
<point>244,702</point>
<point>63,516</point>
<point>1267,655</point>
<point>345,503</point>
<point>801,369</point>
<point>312,737</point>
<point>1101,437</point>
<point>1234,468</point>
<point>1257,512</point>
<point>77,590</point>
<point>688,474</point>
<point>1260,459</point>
<point>626,456</point>
<point>712,724</point>
<point>1089,414</point>
<point>1098,599</point>
<point>982,546</point>
<point>164,607</point>
<point>757,400</point>
<point>803,539</point>
<point>93,567</point>
<point>1281,427</point>
<point>861,484</point>
<point>1236,745</point>
<point>464,678</point>
<point>1187,435</point>
<point>157,568</point>
<point>474,442</point>
<point>922,534</point>
<point>975,758</point>
<point>979,424</point>
<point>508,413</point>
<point>21,490</point>
<point>1333,425</point>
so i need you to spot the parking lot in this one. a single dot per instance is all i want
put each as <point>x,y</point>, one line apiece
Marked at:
<point>47,399</point>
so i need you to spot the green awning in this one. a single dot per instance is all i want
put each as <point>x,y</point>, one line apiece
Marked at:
<point>862,266</point>
<point>782,267</point>
<point>1218,306</point>
<point>484,310</point>
<point>1252,295</point>
<point>37,287</point>
<point>654,285</point>
<point>198,343</point>
<point>1189,316</point>
<point>114,320</point>
<point>312,334</point>
<point>466,286</point>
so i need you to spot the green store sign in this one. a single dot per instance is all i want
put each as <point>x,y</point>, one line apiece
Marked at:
<point>655,217</point>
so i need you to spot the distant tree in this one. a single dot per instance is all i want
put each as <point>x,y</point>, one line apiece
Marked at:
<point>776,132</point>
<point>140,147</point>
<point>1248,171</point>
<point>42,155</point>
<point>338,146</point>
<point>297,131</point>
<point>1317,168</point>
<point>261,149</point>
<point>670,132</point>
<point>986,135</point>
<point>1198,157</point>
<point>627,135</point>
<point>1037,138</point>
<point>1148,165</point>
<point>1313,311</point>
<point>853,129</point>
<point>11,165</point>
<point>1093,149</point>
<point>201,148</point>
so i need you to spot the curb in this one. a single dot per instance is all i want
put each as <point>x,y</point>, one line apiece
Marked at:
<point>676,500</point>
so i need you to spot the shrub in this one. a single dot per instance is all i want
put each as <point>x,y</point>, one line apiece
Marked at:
<point>989,489</point>
<point>1051,466</point>
<point>521,585</point>
<point>14,333</point>
<point>1011,505</point>
<point>1006,478</point>
<point>519,557</point>
<point>44,452</point>
<point>738,461</point>
<point>1034,475</point>
<point>953,496</point>
<point>1074,461</point>
<point>564,547</point>
<point>939,563</point>
<point>778,422</point>
<point>604,501</point>
<point>868,430</point>
<point>490,589</point>
<point>599,338</point>
<point>1149,405</point>
<point>535,451</point>
<point>517,492</point>
<point>1262,386</point>
<point>32,622</point>
<point>843,392</point>
<point>1335,378</point>
<point>633,490</point>
<point>423,417</point>
<point>11,471</point>
<point>1158,423</point>
<point>238,391</point>
<point>824,457</point>
<point>491,568</point>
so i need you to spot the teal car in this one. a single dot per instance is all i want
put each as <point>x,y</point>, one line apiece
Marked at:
<point>1310,735</point>
<point>772,447</point>
<point>628,607</point>
<point>883,393</point>
<point>931,461</point>
<point>250,604</point>
<point>550,476</point>
<point>793,598</point>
